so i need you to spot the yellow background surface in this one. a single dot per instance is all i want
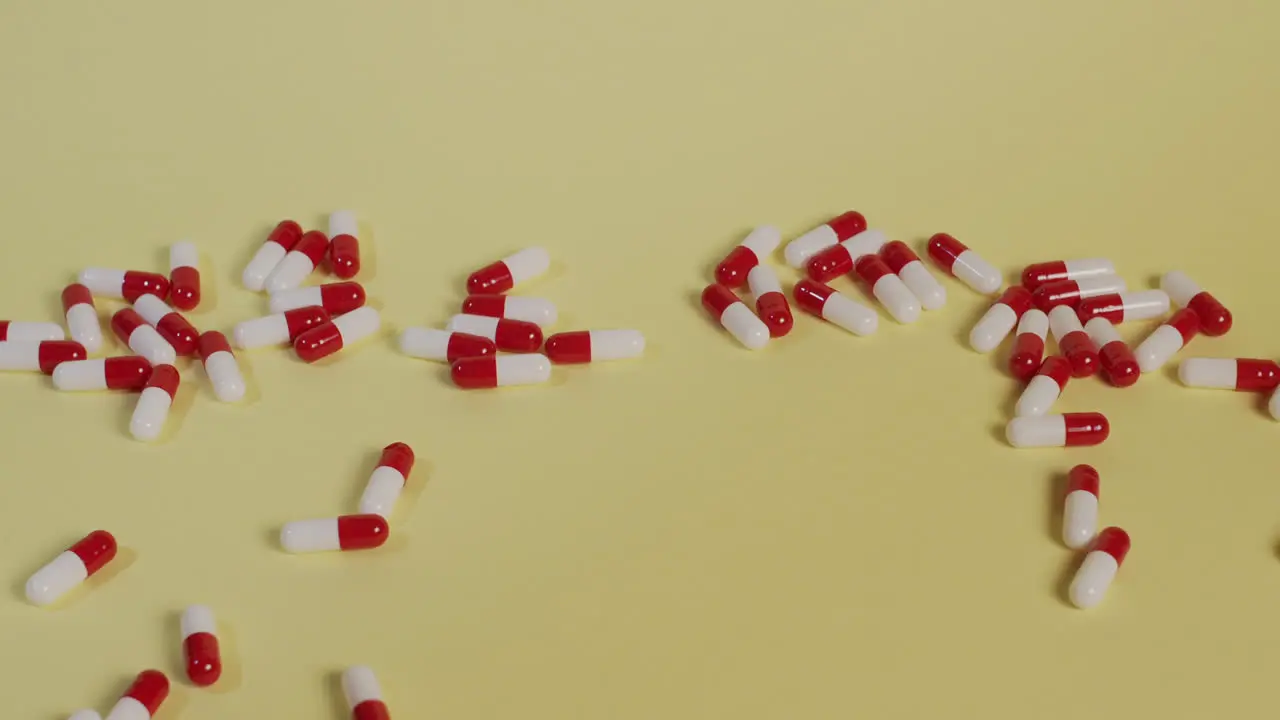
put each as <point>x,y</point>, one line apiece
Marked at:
<point>832,527</point>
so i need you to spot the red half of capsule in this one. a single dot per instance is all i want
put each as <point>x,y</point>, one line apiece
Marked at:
<point>944,250</point>
<point>204,658</point>
<point>213,342</point>
<point>343,297</point>
<point>568,348</point>
<point>314,244</point>
<point>150,690</point>
<point>1109,306</point>
<point>847,224</point>
<point>1215,318</point>
<point>1057,369</point>
<point>897,255</point>
<point>1017,299</point>
<point>871,268</point>
<point>1187,322</point>
<point>371,710</point>
<point>1060,292</point>
<point>1083,477</point>
<point>303,319</point>
<point>462,345</point>
<point>1088,428</point>
<point>166,378</point>
<point>475,372</point>
<point>361,532</point>
<point>124,322</point>
<point>76,294</point>
<point>318,342</point>
<point>775,311</point>
<point>1119,364</point>
<point>344,256</point>
<point>1257,375</point>
<point>1081,352</point>
<point>286,234</point>
<point>95,550</point>
<point>717,298</point>
<point>732,271</point>
<point>127,372</point>
<point>399,457</point>
<point>811,295</point>
<point>53,353</point>
<point>136,284</point>
<point>1040,273</point>
<point>179,333</point>
<point>490,279</point>
<point>517,336</point>
<point>1114,542</point>
<point>830,263</point>
<point>1028,349</point>
<point>486,305</point>
<point>184,287</point>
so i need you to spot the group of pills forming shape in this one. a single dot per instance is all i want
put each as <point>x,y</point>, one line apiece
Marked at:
<point>1104,551</point>
<point>497,340</point>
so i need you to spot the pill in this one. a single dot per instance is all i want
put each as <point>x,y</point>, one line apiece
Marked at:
<point>76,564</point>
<point>835,308</point>
<point>152,410</point>
<point>1125,306</point>
<point>837,260</point>
<point>127,372</point>
<point>31,332</point>
<point>500,371</point>
<point>363,694</point>
<point>1115,358</point>
<point>1028,344</point>
<point>82,317</point>
<point>1073,342</point>
<point>1273,404</point>
<point>335,298</point>
<point>387,480</point>
<point>299,262</point>
<point>174,328</point>
<point>535,310</point>
<point>344,247</point>
<point>143,698</point>
<point>1215,319</point>
<point>1167,340</point>
<point>1246,374</point>
<point>584,346</point>
<point>184,276</point>
<point>508,335</point>
<point>758,245</point>
<point>888,289</point>
<point>1072,292</point>
<point>508,272</point>
<point>42,356</point>
<point>141,338</point>
<point>279,328</point>
<point>1068,430</point>
<point>433,344</point>
<point>221,368</point>
<point>1044,389</point>
<point>327,339</point>
<point>281,240</point>
<point>348,532</point>
<point>200,645</point>
<point>85,715</point>
<point>127,284</point>
<point>734,316</point>
<point>1044,273</point>
<point>999,320</point>
<point>771,304</point>
<point>964,264</point>
<point>1099,568</point>
<point>1080,507</point>
<point>906,264</point>
<point>841,227</point>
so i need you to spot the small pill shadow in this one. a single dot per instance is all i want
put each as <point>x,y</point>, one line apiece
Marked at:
<point>333,685</point>
<point>1054,498</point>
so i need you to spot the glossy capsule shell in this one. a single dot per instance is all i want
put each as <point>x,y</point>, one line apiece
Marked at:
<point>279,328</point>
<point>734,316</point>
<point>387,480</point>
<point>1044,389</point>
<point>1073,292</point>
<point>71,568</point>
<point>1125,306</point>
<point>1028,344</point>
<point>184,276</point>
<point>964,264</point>
<point>200,651</point>
<point>1099,568</point>
<point>1069,430</point>
<point>433,344</point>
<point>1000,319</point>
<point>888,289</point>
<point>1073,342</point>
<point>221,367</point>
<point>538,311</point>
<point>363,694</point>
<point>1273,404</point>
<point>127,372</point>
<point>298,263</point>
<point>344,245</point>
<point>325,340</point>
<point>835,308</point>
<point>840,228</point>
<point>141,338</point>
<point>175,329</point>
<point>45,356</point>
<point>127,284</point>
<point>82,317</point>
<point>1243,374</point>
<point>508,272</point>
<point>143,698</point>
<point>839,259</point>
<point>32,332</point>
<point>585,346</point>
<point>906,265</point>
<point>335,298</point>
<point>281,240</point>
<point>152,410</point>
<point>1215,318</point>
<point>348,532</point>
<point>508,335</point>
<point>1165,342</point>
<point>1044,273</point>
<point>759,244</point>
<point>771,304</point>
<point>1115,359</point>
<point>1080,507</point>
<point>477,373</point>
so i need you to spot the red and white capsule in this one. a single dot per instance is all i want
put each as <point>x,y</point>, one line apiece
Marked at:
<point>585,346</point>
<point>348,532</point>
<point>82,317</point>
<point>280,328</point>
<point>888,288</point>
<point>476,373</point>
<point>1244,374</point>
<point>1073,342</point>
<point>152,410</point>
<point>508,272</point>
<point>278,244</point>
<point>906,264</point>
<point>1165,342</point>
<point>143,698</point>
<point>1115,358</point>
<point>175,329</point>
<point>758,245</point>
<point>835,308</point>
<point>42,356</point>
<point>1044,389</point>
<point>1072,292</point>
<point>771,304</point>
<point>1215,318</point>
<point>734,316</point>
<point>344,245</point>
<point>1080,507</point>
<point>839,259</point>
<point>1028,344</point>
<point>363,694</point>
<point>200,651</point>
<point>71,568</point>
<point>32,332</point>
<point>387,480</point>
<point>1125,306</point>
<point>1099,568</point>
<point>298,263</point>
<point>127,372</point>
<point>964,264</point>
<point>1067,430</point>
<point>508,335</point>
<point>1000,319</point>
<point>127,284</point>
<point>221,368</point>
<point>335,298</point>
<point>433,344</point>
<point>840,228</point>
<point>184,276</point>
<point>341,332</point>
<point>535,310</point>
<point>1044,273</point>
<point>141,338</point>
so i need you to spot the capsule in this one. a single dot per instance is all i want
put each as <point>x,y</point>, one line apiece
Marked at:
<point>906,264</point>
<point>999,320</point>
<point>1215,319</point>
<point>1080,507</point>
<point>1114,357</point>
<point>771,304</point>
<point>1273,404</point>
<point>363,694</point>
<point>835,230</point>
<point>152,410</point>
<point>280,328</point>
<point>1028,344</point>
<point>1245,374</point>
<point>475,373</point>
<point>734,316</point>
<point>964,264</point>
<point>1044,273</point>
<point>221,368</point>
<point>1099,568</point>
<point>335,298</point>
<point>535,310</point>
<point>432,344</point>
<point>82,317</point>
<point>758,245</point>
<point>835,308</point>
<point>184,276</point>
<point>127,372</point>
<point>141,338</point>
<point>838,260</point>
<point>1125,306</point>
<point>1073,342</point>
<point>888,288</point>
<point>387,480</point>
<point>75,565</point>
<point>143,698</point>
<point>325,340</point>
<point>348,532</point>
<point>1167,340</point>
<point>127,284</point>
<point>344,248</point>
<point>508,335</point>
<point>586,346</point>
<point>43,356</point>
<point>281,240</point>
<point>1072,292</point>
<point>1068,430</point>
<point>508,272</point>
<point>174,328</point>
<point>298,263</point>
<point>200,648</point>
<point>1044,389</point>
<point>30,332</point>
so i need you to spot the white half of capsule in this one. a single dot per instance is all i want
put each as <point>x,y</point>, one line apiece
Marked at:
<point>183,254</point>
<point>85,715</point>
<point>762,241</point>
<point>527,369</point>
<point>922,283</point>
<point>538,311</point>
<point>1145,304</point>
<point>426,343</point>
<point>616,344</point>
<point>224,375</point>
<point>480,325</point>
<point>1032,432</point>
<point>259,332</point>
<point>1034,322</point>
<point>972,270</point>
<point>85,327</point>
<point>81,375</point>
<point>844,312</point>
<point>867,242</point>
<point>343,222</point>
<point>1179,287</point>
<point>56,579</point>
<point>1037,397</point>
<point>1101,331</point>
<point>103,282</point>
<point>304,536</point>
<point>127,708</point>
<point>894,295</point>
<point>1063,321</point>
<point>761,280</point>
<point>1101,285</point>
<point>527,264</point>
<point>145,341</point>
<point>19,355</point>
<point>1159,347</point>
<point>1219,373</point>
<point>744,326</point>
<point>359,685</point>
<point>798,251</point>
<point>295,298</point>
<point>1273,405</point>
<point>149,414</point>
<point>382,491</point>
<point>290,272</point>
<point>34,332</point>
<point>152,309</point>
<point>1093,579</point>
<point>197,619</point>
<point>358,324</point>
<point>1089,267</point>
<point>264,263</point>
<point>1079,519</point>
<point>993,328</point>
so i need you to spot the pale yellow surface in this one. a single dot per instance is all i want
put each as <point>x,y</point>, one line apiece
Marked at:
<point>832,527</point>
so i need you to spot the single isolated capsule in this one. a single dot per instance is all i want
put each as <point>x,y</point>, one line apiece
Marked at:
<point>82,317</point>
<point>298,263</point>
<point>1080,507</point>
<point>1114,357</point>
<point>152,410</point>
<point>363,694</point>
<point>174,328</point>
<point>184,276</point>
<point>127,372</point>
<point>387,480</point>
<point>1073,342</point>
<point>734,316</point>
<point>1044,273</point>
<point>906,264</point>
<point>221,368</point>
<point>508,272</point>
<point>143,698</point>
<point>432,344</point>
<point>835,230</point>
<point>1099,568</point>
<point>888,288</point>
<point>964,264</point>
<point>1044,389</point>
<point>771,304</point>
<point>1000,319</point>
<point>1125,306</point>
<point>327,339</point>
<point>1245,374</point>
<point>43,356</point>
<point>76,564</point>
<point>32,332</point>
<point>1215,319</point>
<point>1073,292</point>
<point>835,308</point>
<point>127,284</point>
<point>508,335</point>
<point>200,646</point>
<point>584,346</point>
<point>141,338</point>
<point>476,373</point>
<point>344,248</point>
<point>838,260</point>
<point>758,245</point>
<point>348,532</point>
<point>281,240</point>
<point>335,298</point>
<point>1028,344</point>
<point>280,328</point>
<point>1167,340</point>
<point>1068,430</point>
<point>535,310</point>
